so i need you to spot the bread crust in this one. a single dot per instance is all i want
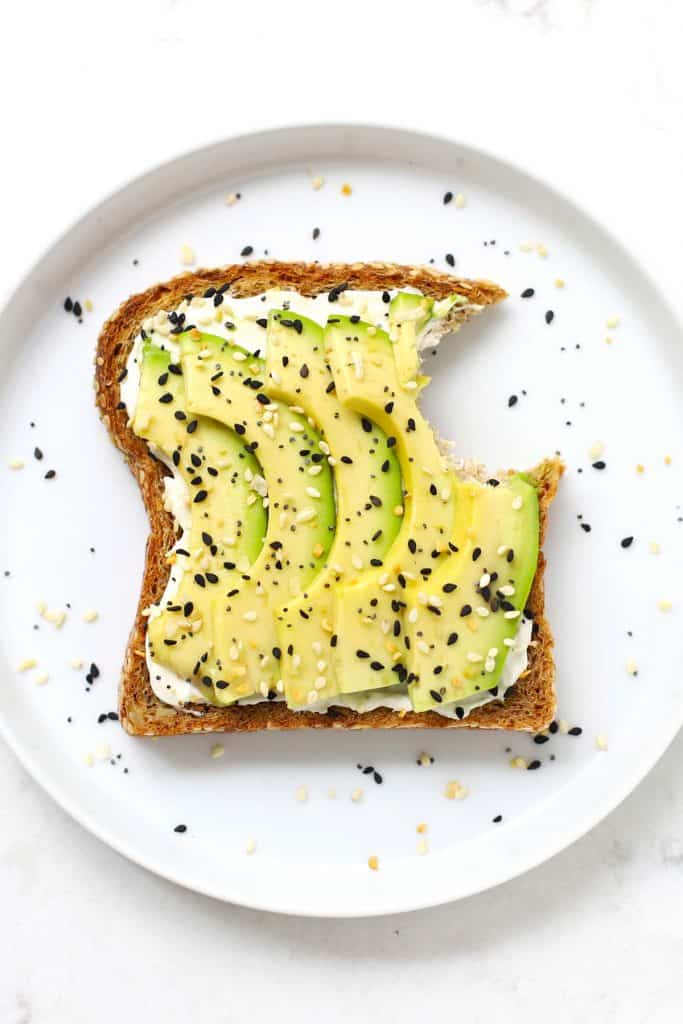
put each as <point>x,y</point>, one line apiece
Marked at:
<point>531,704</point>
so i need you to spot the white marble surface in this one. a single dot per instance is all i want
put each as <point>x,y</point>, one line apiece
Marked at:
<point>588,94</point>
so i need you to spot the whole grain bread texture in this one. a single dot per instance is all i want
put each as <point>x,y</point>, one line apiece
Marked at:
<point>530,705</point>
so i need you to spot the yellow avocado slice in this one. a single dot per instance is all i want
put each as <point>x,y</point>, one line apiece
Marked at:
<point>462,622</point>
<point>226,383</point>
<point>212,462</point>
<point>369,613</point>
<point>298,373</point>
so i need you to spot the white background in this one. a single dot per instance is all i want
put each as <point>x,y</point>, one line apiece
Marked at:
<point>588,95</point>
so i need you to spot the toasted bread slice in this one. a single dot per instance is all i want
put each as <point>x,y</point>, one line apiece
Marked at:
<point>530,706</point>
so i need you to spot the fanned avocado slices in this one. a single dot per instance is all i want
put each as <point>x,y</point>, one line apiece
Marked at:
<point>225,524</point>
<point>226,383</point>
<point>369,613</point>
<point>298,373</point>
<point>462,622</point>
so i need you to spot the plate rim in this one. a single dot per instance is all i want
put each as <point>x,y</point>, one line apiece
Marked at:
<point>583,823</point>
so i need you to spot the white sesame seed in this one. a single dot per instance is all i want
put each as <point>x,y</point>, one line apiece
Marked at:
<point>250,616</point>
<point>459,202</point>
<point>356,562</point>
<point>231,199</point>
<point>631,667</point>
<point>503,549</point>
<point>489,665</point>
<point>422,646</point>
<point>601,742</point>
<point>77,663</point>
<point>473,657</point>
<point>434,602</point>
<point>301,794</point>
<point>314,470</point>
<point>664,605</point>
<point>26,664</point>
<point>654,547</point>
<point>41,678</point>
<point>305,515</point>
<point>187,255</point>
<point>320,683</point>
<point>312,492</point>
<point>596,450</point>
<point>324,447</point>
<point>514,614</point>
<point>563,726</point>
<point>482,611</point>
<point>509,641</point>
<point>312,696</point>
<point>517,502</point>
<point>454,791</point>
<point>91,615</point>
<point>422,847</point>
<point>484,580</point>
<point>507,590</point>
<point>518,762</point>
<point>317,647</point>
<point>321,665</point>
<point>612,322</point>
<point>16,464</point>
<point>412,616</point>
<point>317,182</point>
<point>217,750</point>
<point>251,846</point>
<point>357,795</point>
<point>296,428</point>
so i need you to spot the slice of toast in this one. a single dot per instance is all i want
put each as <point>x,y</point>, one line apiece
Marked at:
<point>530,705</point>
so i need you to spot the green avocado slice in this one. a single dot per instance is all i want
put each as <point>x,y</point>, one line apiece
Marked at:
<point>369,613</point>
<point>209,459</point>
<point>298,373</point>
<point>409,315</point>
<point>227,383</point>
<point>463,620</point>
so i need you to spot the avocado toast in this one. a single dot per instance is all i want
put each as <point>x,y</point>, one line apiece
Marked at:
<point>315,559</point>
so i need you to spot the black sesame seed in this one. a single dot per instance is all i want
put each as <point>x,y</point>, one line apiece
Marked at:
<point>304,371</point>
<point>180,828</point>
<point>362,654</point>
<point>585,527</point>
<point>450,259</point>
<point>77,309</point>
<point>37,454</point>
<point>465,610</point>
<point>447,198</point>
<point>600,464</point>
<point>316,234</point>
<point>448,588</point>
<point>512,400</point>
<point>166,398</point>
<point>475,554</point>
<point>51,474</point>
<point>366,424</point>
<point>549,316</point>
<point>436,696</point>
<point>528,293</point>
<point>201,495</point>
<point>452,639</point>
<point>68,304</point>
<point>575,730</point>
<point>247,250</point>
<point>386,297</point>
<point>541,738</point>
<point>376,666</point>
<point>553,727</point>
<point>533,765</point>
<point>498,818</point>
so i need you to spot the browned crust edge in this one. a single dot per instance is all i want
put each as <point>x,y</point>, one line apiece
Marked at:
<point>532,703</point>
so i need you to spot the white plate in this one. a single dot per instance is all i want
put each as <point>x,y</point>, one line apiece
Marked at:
<point>311,858</point>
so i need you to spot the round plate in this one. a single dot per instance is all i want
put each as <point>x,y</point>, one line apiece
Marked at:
<point>75,541</point>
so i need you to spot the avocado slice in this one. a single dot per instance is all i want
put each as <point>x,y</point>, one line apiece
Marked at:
<point>211,460</point>
<point>298,373</point>
<point>463,620</point>
<point>369,619</point>
<point>227,383</point>
<point>409,315</point>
